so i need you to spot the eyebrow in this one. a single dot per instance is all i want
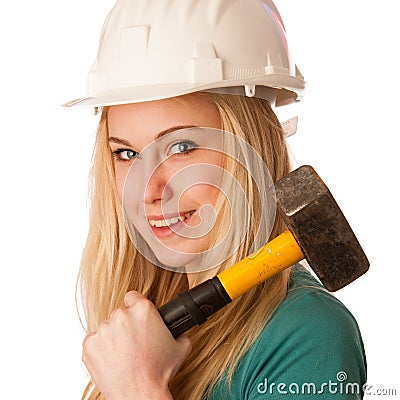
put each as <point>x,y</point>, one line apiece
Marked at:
<point>124,142</point>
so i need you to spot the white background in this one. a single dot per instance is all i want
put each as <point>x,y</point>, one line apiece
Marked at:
<point>348,130</point>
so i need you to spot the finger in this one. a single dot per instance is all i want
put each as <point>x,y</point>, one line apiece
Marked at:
<point>132,297</point>
<point>114,314</point>
<point>87,337</point>
<point>185,344</point>
<point>86,347</point>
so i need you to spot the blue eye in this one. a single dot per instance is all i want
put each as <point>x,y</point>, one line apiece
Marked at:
<point>125,154</point>
<point>182,147</point>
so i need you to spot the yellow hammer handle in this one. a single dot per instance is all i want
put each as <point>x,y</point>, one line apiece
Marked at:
<point>275,256</point>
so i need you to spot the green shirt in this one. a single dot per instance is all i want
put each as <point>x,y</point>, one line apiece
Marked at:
<point>311,348</point>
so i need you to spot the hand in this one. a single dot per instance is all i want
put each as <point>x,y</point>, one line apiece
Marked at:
<point>133,354</point>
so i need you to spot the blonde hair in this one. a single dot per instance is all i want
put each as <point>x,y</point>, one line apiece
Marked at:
<point>111,265</point>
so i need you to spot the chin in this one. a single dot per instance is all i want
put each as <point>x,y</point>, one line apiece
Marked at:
<point>175,259</point>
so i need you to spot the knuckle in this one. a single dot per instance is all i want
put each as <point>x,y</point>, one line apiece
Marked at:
<point>112,313</point>
<point>102,327</point>
<point>87,340</point>
<point>144,306</point>
<point>117,314</point>
<point>145,303</point>
<point>137,302</point>
<point>186,345</point>
<point>87,346</point>
<point>132,297</point>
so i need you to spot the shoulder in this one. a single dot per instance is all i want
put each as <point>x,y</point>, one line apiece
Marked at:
<point>311,338</point>
<point>310,312</point>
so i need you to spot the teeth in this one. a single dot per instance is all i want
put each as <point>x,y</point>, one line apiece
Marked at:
<point>169,221</point>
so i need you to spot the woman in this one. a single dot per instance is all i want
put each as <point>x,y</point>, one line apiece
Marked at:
<point>198,67</point>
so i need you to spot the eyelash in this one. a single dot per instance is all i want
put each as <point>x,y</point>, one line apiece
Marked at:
<point>117,153</point>
<point>184,153</point>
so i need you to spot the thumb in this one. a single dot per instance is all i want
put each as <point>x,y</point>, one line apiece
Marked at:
<point>132,297</point>
<point>185,345</point>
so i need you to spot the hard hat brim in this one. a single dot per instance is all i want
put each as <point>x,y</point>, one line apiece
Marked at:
<point>146,93</point>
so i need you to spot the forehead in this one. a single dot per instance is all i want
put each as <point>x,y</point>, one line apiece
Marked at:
<point>140,123</point>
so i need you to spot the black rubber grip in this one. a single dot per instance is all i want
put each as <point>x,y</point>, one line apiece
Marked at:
<point>194,310</point>
<point>194,306</point>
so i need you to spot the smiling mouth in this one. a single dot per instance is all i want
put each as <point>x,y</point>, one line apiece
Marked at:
<point>162,223</point>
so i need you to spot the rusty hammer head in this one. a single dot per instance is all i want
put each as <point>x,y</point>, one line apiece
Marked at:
<point>320,228</point>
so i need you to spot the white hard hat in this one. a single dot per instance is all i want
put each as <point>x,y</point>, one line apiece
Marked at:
<point>152,49</point>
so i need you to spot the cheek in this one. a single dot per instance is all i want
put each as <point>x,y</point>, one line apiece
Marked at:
<point>207,192</point>
<point>202,194</point>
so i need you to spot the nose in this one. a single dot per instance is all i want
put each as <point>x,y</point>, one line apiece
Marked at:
<point>157,189</point>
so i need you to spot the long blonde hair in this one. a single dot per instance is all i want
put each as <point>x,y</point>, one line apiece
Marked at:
<point>111,265</point>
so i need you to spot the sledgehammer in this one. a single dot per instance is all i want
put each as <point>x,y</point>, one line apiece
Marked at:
<point>317,231</point>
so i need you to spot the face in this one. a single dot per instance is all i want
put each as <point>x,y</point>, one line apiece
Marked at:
<point>169,196</point>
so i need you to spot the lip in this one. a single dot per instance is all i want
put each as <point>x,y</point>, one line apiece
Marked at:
<point>166,231</point>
